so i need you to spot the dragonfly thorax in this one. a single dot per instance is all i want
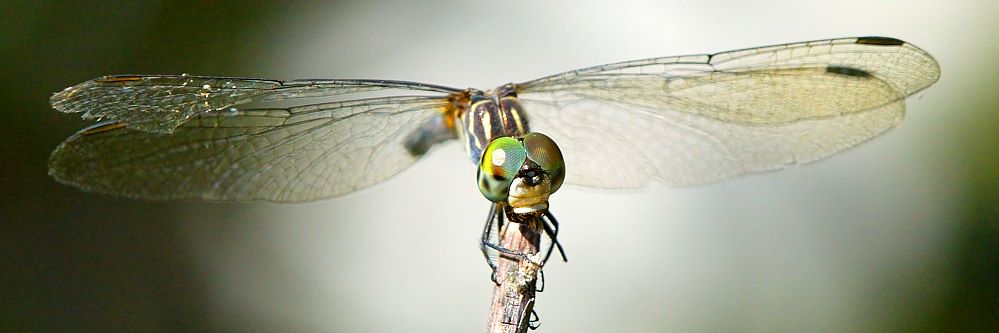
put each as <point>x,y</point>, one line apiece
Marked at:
<point>486,116</point>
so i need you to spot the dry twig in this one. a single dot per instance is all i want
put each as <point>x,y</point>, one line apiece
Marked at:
<point>513,298</point>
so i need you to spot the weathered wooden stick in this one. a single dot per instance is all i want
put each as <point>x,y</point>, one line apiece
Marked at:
<point>513,298</point>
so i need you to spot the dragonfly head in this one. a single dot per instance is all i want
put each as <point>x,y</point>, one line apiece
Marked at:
<point>523,172</point>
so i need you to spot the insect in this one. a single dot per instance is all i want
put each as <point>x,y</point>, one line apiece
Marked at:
<point>679,121</point>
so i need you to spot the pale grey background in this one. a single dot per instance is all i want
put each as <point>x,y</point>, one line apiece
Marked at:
<point>897,234</point>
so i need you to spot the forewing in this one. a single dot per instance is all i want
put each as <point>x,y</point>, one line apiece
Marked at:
<point>697,119</point>
<point>160,103</point>
<point>278,154</point>
<point>604,149</point>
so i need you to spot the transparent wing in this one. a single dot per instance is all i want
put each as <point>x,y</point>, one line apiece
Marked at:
<point>696,119</point>
<point>279,154</point>
<point>160,103</point>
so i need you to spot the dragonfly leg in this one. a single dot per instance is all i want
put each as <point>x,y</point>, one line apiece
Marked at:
<point>486,243</point>
<point>550,225</point>
<point>552,232</point>
<point>535,321</point>
<point>541,281</point>
<point>487,232</point>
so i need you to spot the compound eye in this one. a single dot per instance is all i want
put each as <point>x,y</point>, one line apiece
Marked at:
<point>543,151</point>
<point>500,163</point>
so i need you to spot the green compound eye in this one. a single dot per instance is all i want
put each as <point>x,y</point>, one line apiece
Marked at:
<point>500,163</point>
<point>543,151</point>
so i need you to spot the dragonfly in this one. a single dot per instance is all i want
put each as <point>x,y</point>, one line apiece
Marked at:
<point>678,121</point>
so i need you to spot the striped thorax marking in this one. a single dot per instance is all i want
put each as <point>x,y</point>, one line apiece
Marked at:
<point>490,115</point>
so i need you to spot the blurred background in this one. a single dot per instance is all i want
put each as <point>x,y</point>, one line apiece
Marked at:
<point>899,234</point>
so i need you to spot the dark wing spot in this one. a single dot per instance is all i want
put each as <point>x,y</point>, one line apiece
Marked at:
<point>879,41</point>
<point>848,71</point>
<point>499,177</point>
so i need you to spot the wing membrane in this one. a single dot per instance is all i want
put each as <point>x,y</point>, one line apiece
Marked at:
<point>696,119</point>
<point>279,154</point>
<point>161,103</point>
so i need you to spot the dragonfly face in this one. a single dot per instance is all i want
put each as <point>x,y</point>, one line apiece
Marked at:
<point>521,172</point>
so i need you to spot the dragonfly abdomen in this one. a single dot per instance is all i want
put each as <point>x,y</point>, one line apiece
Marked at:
<point>436,130</point>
